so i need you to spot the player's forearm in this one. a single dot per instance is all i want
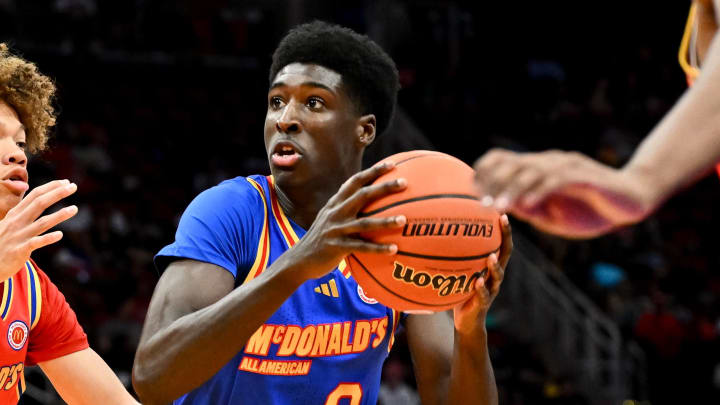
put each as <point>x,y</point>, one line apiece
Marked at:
<point>686,143</point>
<point>83,378</point>
<point>194,347</point>
<point>472,380</point>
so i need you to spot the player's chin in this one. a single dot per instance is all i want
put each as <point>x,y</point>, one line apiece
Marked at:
<point>288,176</point>
<point>7,202</point>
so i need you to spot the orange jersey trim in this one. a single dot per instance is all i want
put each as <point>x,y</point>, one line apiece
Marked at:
<point>344,269</point>
<point>263,250</point>
<point>286,228</point>
<point>691,72</point>
<point>395,322</point>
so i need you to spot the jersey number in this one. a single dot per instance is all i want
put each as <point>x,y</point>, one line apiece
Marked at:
<point>353,391</point>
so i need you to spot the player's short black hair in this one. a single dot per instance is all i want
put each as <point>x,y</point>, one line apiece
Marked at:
<point>369,74</point>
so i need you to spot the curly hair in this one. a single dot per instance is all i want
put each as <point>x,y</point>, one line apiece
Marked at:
<point>369,74</point>
<point>30,94</point>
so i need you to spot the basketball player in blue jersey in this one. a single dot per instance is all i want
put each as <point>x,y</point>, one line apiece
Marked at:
<point>255,304</point>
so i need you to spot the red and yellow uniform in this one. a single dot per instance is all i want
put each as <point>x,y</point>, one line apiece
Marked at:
<point>688,53</point>
<point>700,28</point>
<point>37,325</point>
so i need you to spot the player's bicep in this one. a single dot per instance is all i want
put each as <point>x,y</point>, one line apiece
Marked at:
<point>185,286</point>
<point>430,338</point>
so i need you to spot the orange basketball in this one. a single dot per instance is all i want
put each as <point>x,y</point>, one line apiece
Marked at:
<point>443,247</point>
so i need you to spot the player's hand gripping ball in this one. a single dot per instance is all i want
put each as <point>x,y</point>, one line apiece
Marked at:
<point>443,247</point>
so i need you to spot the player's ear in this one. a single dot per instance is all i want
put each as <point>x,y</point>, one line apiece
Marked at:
<point>366,129</point>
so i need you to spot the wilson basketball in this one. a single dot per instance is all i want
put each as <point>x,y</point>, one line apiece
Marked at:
<point>443,247</point>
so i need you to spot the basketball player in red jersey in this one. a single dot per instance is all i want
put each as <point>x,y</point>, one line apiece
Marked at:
<point>36,324</point>
<point>572,195</point>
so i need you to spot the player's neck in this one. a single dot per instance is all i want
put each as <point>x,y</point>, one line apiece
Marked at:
<point>302,204</point>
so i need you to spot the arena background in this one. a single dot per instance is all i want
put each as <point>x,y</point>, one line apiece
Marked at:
<point>161,99</point>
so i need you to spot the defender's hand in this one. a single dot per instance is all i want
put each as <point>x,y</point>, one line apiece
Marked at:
<point>563,193</point>
<point>333,234</point>
<point>469,316</point>
<point>21,229</point>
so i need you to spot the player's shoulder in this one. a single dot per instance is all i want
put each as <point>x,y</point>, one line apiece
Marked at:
<point>239,185</point>
<point>232,193</point>
<point>35,280</point>
<point>32,271</point>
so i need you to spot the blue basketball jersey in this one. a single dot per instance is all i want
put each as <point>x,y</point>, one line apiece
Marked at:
<point>325,345</point>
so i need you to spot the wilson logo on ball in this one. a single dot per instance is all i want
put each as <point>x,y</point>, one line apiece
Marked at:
<point>444,245</point>
<point>448,229</point>
<point>445,285</point>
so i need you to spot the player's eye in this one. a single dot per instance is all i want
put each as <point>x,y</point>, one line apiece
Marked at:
<point>21,144</point>
<point>315,103</point>
<point>275,102</point>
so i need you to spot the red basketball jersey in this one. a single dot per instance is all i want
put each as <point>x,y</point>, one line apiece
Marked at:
<point>37,325</point>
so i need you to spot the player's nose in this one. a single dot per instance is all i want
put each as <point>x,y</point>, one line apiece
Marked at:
<point>288,122</point>
<point>16,156</point>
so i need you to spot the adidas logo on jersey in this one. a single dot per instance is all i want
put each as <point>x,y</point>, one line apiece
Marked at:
<point>329,289</point>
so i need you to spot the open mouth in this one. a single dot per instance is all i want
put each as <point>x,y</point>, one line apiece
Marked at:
<point>17,175</point>
<point>16,181</point>
<point>285,154</point>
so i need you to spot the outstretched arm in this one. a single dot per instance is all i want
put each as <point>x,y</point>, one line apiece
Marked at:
<point>83,378</point>
<point>572,195</point>
<point>686,143</point>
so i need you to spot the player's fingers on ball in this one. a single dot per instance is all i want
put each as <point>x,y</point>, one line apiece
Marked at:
<point>371,224</point>
<point>359,245</point>
<point>493,286</point>
<point>495,280</point>
<point>473,303</point>
<point>496,272</point>
<point>481,291</point>
<point>363,178</point>
<point>43,240</point>
<point>46,222</point>
<point>42,202</point>
<point>494,290</point>
<point>507,245</point>
<point>367,194</point>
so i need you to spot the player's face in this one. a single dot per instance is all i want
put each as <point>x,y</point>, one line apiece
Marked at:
<point>13,161</point>
<point>311,128</point>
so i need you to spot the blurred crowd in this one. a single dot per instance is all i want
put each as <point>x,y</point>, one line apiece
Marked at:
<point>160,100</point>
